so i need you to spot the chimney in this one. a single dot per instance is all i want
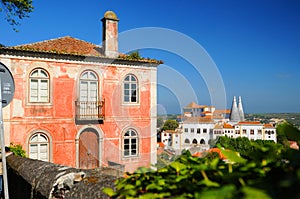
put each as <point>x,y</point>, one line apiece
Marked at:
<point>110,34</point>
<point>234,115</point>
<point>241,110</point>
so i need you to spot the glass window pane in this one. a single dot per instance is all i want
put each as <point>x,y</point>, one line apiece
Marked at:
<point>126,98</point>
<point>133,78</point>
<point>43,74</point>
<point>92,76</point>
<point>126,86</point>
<point>42,138</point>
<point>34,138</point>
<point>126,153</point>
<point>133,99</point>
<point>133,152</point>
<point>126,141</point>
<point>84,75</point>
<point>34,73</point>
<point>126,92</point>
<point>133,141</point>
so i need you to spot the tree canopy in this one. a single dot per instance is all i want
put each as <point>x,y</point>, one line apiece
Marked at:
<point>16,10</point>
<point>170,125</point>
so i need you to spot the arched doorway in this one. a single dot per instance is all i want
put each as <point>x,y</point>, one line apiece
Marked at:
<point>88,149</point>
<point>195,141</point>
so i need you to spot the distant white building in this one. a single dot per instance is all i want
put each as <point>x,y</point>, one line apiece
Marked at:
<point>251,130</point>
<point>269,132</point>
<point>202,125</point>
<point>171,139</point>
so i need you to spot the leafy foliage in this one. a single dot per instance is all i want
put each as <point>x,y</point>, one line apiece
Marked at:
<point>17,150</point>
<point>273,172</point>
<point>170,125</point>
<point>16,9</point>
<point>286,131</point>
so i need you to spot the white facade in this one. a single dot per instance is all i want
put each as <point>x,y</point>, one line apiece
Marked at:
<point>251,130</point>
<point>171,138</point>
<point>269,133</point>
<point>196,133</point>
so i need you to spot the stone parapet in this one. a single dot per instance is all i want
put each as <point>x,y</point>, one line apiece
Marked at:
<point>34,179</point>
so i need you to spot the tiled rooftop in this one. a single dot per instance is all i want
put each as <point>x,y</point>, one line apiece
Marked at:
<point>63,45</point>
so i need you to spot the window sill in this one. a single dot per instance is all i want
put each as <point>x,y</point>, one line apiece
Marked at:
<point>44,104</point>
<point>130,104</point>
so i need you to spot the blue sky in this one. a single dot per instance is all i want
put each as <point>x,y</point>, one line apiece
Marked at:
<point>255,44</point>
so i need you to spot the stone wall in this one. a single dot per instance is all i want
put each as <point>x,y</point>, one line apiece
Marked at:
<point>34,179</point>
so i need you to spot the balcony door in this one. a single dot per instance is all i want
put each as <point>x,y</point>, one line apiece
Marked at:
<point>88,94</point>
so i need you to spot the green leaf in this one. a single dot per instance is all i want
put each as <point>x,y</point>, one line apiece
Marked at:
<point>233,156</point>
<point>108,191</point>
<point>251,193</point>
<point>154,187</point>
<point>177,166</point>
<point>222,193</point>
<point>209,183</point>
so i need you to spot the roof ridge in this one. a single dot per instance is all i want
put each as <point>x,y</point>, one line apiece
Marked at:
<point>53,39</point>
<point>37,42</point>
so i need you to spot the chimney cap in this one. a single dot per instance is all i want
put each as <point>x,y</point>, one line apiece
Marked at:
<point>110,15</point>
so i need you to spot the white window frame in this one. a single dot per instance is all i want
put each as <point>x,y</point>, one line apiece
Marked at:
<point>128,89</point>
<point>89,80</point>
<point>39,93</point>
<point>39,143</point>
<point>130,139</point>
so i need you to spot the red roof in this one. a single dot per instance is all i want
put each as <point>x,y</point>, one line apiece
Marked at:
<point>269,126</point>
<point>160,144</point>
<point>227,126</point>
<point>63,45</point>
<point>249,122</point>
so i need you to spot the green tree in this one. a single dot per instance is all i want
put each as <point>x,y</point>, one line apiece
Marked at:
<point>170,125</point>
<point>17,150</point>
<point>16,10</point>
<point>286,131</point>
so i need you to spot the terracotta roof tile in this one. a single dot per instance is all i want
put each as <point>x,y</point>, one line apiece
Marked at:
<point>227,126</point>
<point>192,105</point>
<point>198,120</point>
<point>249,122</point>
<point>269,126</point>
<point>63,45</point>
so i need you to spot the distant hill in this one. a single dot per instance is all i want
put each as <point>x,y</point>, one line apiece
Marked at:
<point>293,118</point>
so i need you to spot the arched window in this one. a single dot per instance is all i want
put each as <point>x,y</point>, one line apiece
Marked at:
<point>88,87</point>
<point>39,147</point>
<point>39,86</point>
<point>130,143</point>
<point>130,89</point>
<point>186,141</point>
<point>195,141</point>
<point>202,141</point>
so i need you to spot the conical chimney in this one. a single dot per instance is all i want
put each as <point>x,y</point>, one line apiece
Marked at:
<point>234,114</point>
<point>241,110</point>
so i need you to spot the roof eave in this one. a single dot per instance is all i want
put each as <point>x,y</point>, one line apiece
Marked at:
<point>75,57</point>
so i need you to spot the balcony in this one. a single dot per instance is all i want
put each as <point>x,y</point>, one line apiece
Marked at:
<point>89,112</point>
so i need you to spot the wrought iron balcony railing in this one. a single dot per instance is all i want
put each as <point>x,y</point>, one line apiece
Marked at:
<point>89,111</point>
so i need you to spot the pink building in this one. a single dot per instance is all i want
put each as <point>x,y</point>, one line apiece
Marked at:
<point>80,104</point>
